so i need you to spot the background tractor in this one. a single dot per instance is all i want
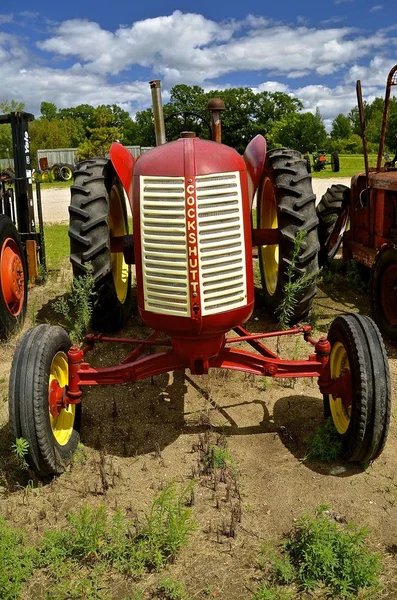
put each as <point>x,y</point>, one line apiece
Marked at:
<point>192,248</point>
<point>371,207</point>
<point>21,244</point>
<point>321,162</point>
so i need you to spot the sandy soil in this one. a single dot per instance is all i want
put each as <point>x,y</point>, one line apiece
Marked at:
<point>55,201</point>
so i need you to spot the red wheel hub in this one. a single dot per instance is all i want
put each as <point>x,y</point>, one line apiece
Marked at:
<point>388,293</point>
<point>12,277</point>
<point>56,398</point>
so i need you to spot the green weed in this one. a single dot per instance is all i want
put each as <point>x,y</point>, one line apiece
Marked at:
<point>76,307</point>
<point>294,287</point>
<point>324,444</point>
<point>16,561</point>
<point>217,457</point>
<point>169,589</point>
<point>20,448</point>
<point>131,547</point>
<point>321,554</point>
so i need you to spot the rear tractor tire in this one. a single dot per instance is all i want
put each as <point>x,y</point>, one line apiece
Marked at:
<point>39,371</point>
<point>361,417</point>
<point>286,201</point>
<point>383,291</point>
<point>97,213</point>
<point>335,163</point>
<point>13,279</point>
<point>333,216</point>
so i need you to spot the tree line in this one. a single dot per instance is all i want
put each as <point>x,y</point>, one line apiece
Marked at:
<point>276,115</point>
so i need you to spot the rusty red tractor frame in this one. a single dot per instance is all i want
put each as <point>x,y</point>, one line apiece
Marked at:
<point>192,247</point>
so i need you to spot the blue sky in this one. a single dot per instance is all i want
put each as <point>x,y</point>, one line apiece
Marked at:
<point>103,53</point>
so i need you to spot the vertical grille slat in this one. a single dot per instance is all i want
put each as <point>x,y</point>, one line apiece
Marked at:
<point>221,242</point>
<point>164,248</point>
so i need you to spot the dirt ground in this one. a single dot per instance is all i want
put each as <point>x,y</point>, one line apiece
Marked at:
<point>139,436</point>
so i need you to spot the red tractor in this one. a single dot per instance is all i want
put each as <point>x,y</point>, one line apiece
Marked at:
<point>371,207</point>
<point>192,249</point>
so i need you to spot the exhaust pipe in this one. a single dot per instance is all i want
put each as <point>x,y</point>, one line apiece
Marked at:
<point>159,128</point>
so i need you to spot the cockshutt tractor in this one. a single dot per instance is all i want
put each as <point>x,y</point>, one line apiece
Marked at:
<point>371,207</point>
<point>192,244</point>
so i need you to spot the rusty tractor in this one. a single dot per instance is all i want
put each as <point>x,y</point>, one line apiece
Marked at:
<point>192,247</point>
<point>371,207</point>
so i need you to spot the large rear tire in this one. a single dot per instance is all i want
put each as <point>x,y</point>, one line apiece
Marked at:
<point>335,163</point>
<point>286,201</point>
<point>39,371</point>
<point>383,292</point>
<point>333,216</point>
<point>97,213</point>
<point>362,414</point>
<point>13,279</point>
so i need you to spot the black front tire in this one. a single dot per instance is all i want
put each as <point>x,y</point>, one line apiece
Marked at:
<point>335,162</point>
<point>97,212</point>
<point>383,292</point>
<point>14,287</point>
<point>333,216</point>
<point>40,357</point>
<point>362,420</point>
<point>286,200</point>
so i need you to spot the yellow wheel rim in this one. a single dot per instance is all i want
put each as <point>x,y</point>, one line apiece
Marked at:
<point>118,227</point>
<point>62,426</point>
<point>340,413</point>
<point>268,220</point>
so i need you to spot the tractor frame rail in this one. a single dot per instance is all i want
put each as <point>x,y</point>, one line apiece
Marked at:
<point>138,365</point>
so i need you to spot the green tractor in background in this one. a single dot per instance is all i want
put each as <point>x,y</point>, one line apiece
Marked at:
<point>320,161</point>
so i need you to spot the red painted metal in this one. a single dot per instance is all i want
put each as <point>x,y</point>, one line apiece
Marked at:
<point>12,277</point>
<point>264,237</point>
<point>56,398</point>
<point>199,337</point>
<point>255,156</point>
<point>123,163</point>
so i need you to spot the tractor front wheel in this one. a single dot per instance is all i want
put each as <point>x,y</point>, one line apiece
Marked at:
<point>98,213</point>
<point>333,216</point>
<point>38,410</point>
<point>383,291</point>
<point>13,278</point>
<point>361,410</point>
<point>286,202</point>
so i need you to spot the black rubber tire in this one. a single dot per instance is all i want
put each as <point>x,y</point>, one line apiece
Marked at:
<point>295,204</point>
<point>55,172</point>
<point>367,432</point>
<point>333,216</point>
<point>28,400</point>
<point>385,318</point>
<point>308,165</point>
<point>8,322</point>
<point>335,162</point>
<point>89,234</point>
<point>65,172</point>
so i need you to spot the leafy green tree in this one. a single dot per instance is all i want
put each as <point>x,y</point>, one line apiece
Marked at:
<point>48,111</point>
<point>99,142</point>
<point>341,127</point>
<point>300,131</point>
<point>49,134</point>
<point>9,106</point>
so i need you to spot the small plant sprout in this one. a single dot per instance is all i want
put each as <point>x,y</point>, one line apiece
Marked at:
<point>20,448</point>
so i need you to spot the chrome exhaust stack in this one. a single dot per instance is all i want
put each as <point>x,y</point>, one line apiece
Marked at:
<point>157,104</point>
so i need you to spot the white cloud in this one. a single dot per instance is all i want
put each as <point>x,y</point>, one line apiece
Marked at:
<point>376,8</point>
<point>6,18</point>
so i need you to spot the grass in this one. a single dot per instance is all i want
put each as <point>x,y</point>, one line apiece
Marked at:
<point>56,241</point>
<point>16,561</point>
<point>324,444</point>
<point>320,555</point>
<point>350,164</point>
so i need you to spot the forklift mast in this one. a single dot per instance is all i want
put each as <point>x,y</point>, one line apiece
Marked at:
<point>32,240</point>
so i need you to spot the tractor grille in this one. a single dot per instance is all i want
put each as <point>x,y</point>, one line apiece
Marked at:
<point>221,249</point>
<point>221,242</point>
<point>164,249</point>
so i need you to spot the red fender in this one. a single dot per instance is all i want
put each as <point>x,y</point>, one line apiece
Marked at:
<point>254,156</point>
<point>123,162</point>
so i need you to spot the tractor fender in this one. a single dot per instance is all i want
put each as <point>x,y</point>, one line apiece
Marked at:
<point>254,157</point>
<point>123,162</point>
